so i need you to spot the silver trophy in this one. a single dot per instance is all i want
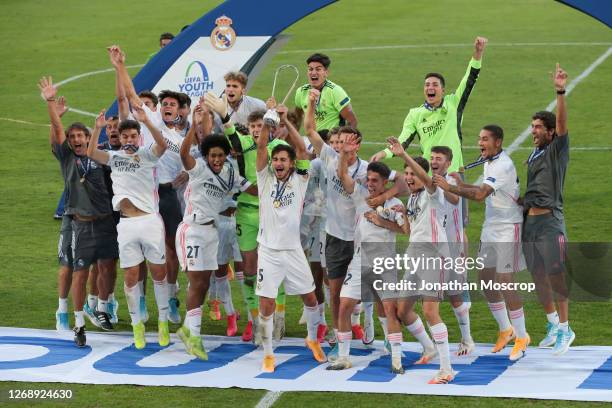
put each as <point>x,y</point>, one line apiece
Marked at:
<point>271,117</point>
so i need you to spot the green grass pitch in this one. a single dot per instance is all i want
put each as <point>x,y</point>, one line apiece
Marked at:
<point>372,58</point>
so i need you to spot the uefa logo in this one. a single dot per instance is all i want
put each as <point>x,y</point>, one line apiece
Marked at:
<point>197,81</point>
<point>223,35</point>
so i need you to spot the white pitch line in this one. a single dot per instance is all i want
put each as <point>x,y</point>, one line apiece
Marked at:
<point>82,112</point>
<point>86,74</point>
<point>521,138</point>
<point>450,45</point>
<point>24,122</point>
<point>268,399</point>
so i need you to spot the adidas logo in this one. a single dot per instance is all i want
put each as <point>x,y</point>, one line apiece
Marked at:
<point>210,179</point>
<point>508,266</point>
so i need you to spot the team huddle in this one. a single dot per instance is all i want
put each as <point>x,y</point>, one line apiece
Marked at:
<point>227,187</point>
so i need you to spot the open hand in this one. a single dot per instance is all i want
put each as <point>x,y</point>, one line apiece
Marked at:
<point>395,146</point>
<point>47,90</point>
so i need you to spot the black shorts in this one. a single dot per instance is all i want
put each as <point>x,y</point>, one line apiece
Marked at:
<point>338,256</point>
<point>64,246</point>
<point>93,241</point>
<point>544,244</point>
<point>170,209</point>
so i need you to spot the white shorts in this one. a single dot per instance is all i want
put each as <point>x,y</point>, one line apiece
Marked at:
<point>277,267</point>
<point>312,242</point>
<point>141,238</point>
<point>431,272</point>
<point>351,287</point>
<point>228,241</point>
<point>196,247</point>
<point>500,247</point>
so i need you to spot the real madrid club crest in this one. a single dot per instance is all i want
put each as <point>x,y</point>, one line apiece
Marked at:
<point>223,35</point>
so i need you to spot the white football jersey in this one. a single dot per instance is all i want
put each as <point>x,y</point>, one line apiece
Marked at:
<point>502,205</point>
<point>454,217</point>
<point>367,231</point>
<point>206,191</point>
<point>340,221</point>
<point>135,178</point>
<point>247,106</point>
<point>280,209</point>
<point>426,214</point>
<point>170,165</point>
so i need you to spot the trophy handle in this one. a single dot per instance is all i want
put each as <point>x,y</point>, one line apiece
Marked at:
<point>278,70</point>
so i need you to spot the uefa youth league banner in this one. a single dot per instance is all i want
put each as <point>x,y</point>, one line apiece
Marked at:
<point>584,373</point>
<point>233,36</point>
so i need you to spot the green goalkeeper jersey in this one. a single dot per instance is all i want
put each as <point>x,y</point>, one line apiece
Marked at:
<point>247,158</point>
<point>441,126</point>
<point>332,100</point>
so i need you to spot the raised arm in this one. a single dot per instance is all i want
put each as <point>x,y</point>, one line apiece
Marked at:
<point>310,126</point>
<point>160,145</point>
<point>560,80</point>
<point>61,108</point>
<point>351,144</point>
<point>293,137</point>
<point>122,102</point>
<point>49,92</point>
<point>398,150</point>
<point>117,58</point>
<point>93,152</point>
<point>190,140</point>
<point>262,148</point>
<point>471,192</point>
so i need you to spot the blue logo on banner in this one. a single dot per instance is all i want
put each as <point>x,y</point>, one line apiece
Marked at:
<point>196,82</point>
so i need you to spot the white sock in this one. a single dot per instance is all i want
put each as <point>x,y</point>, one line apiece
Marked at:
<point>564,326</point>
<point>383,324</point>
<point>440,336</point>
<point>396,344</point>
<point>62,305</point>
<point>171,289</point>
<point>79,318</point>
<point>213,293</point>
<point>312,321</point>
<point>141,286</point>
<point>249,315</point>
<point>322,314</point>
<point>500,314</point>
<point>355,315</point>
<point>239,275</point>
<point>194,321</point>
<point>161,297</point>
<point>418,331</point>
<point>133,300</point>
<point>102,306</point>
<point>344,343</point>
<point>553,318</point>
<point>92,302</point>
<point>368,313</point>
<point>225,294</point>
<point>518,322</point>
<point>111,297</point>
<point>267,325</point>
<point>462,313</point>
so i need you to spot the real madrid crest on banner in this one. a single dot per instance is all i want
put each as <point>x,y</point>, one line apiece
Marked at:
<point>223,35</point>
